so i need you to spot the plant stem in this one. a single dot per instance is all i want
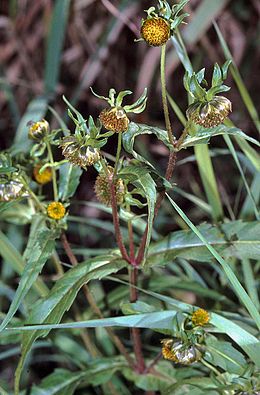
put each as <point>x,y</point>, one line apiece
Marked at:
<point>118,152</point>
<point>153,363</point>
<point>135,332</point>
<point>92,303</point>
<point>164,96</point>
<point>118,235</point>
<point>53,171</point>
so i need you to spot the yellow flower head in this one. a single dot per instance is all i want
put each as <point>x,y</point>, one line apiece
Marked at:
<point>38,130</point>
<point>167,350</point>
<point>114,119</point>
<point>103,188</point>
<point>200,317</point>
<point>155,31</point>
<point>56,210</point>
<point>44,177</point>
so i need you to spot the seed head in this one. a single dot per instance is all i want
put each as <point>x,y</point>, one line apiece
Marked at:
<point>211,113</point>
<point>200,317</point>
<point>103,188</point>
<point>56,210</point>
<point>155,31</point>
<point>114,119</point>
<point>78,153</point>
<point>38,130</point>
<point>12,190</point>
<point>44,177</point>
<point>179,352</point>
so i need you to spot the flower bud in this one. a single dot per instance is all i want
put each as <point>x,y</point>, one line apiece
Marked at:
<point>114,119</point>
<point>38,130</point>
<point>155,31</point>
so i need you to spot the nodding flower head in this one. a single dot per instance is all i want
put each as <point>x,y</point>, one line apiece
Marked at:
<point>78,152</point>
<point>114,118</point>
<point>56,210</point>
<point>38,130</point>
<point>208,109</point>
<point>159,25</point>
<point>42,177</point>
<point>103,188</point>
<point>180,352</point>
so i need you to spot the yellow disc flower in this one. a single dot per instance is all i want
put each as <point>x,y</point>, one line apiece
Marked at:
<point>155,31</point>
<point>200,317</point>
<point>44,177</point>
<point>56,210</point>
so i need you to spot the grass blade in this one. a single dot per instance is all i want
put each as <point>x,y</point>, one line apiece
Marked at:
<point>55,44</point>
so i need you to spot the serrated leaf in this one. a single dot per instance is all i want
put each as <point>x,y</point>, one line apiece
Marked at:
<point>40,246</point>
<point>136,129</point>
<point>203,136</point>
<point>142,179</point>
<point>62,295</point>
<point>68,180</point>
<point>233,239</point>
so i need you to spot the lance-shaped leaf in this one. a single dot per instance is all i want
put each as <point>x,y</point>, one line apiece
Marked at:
<point>40,246</point>
<point>62,295</point>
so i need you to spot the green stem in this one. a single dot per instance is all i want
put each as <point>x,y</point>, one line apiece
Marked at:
<point>53,171</point>
<point>164,96</point>
<point>209,366</point>
<point>118,152</point>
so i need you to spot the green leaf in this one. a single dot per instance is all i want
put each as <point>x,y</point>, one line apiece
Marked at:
<point>62,295</point>
<point>236,239</point>
<point>14,259</point>
<point>136,129</point>
<point>59,382</point>
<point>40,246</point>
<point>55,43</point>
<point>203,136</point>
<point>68,180</point>
<point>224,355</point>
<point>237,287</point>
<point>217,76</point>
<point>141,179</point>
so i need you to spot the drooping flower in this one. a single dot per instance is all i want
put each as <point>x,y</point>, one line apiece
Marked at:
<point>44,177</point>
<point>180,352</point>
<point>56,210</point>
<point>79,152</point>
